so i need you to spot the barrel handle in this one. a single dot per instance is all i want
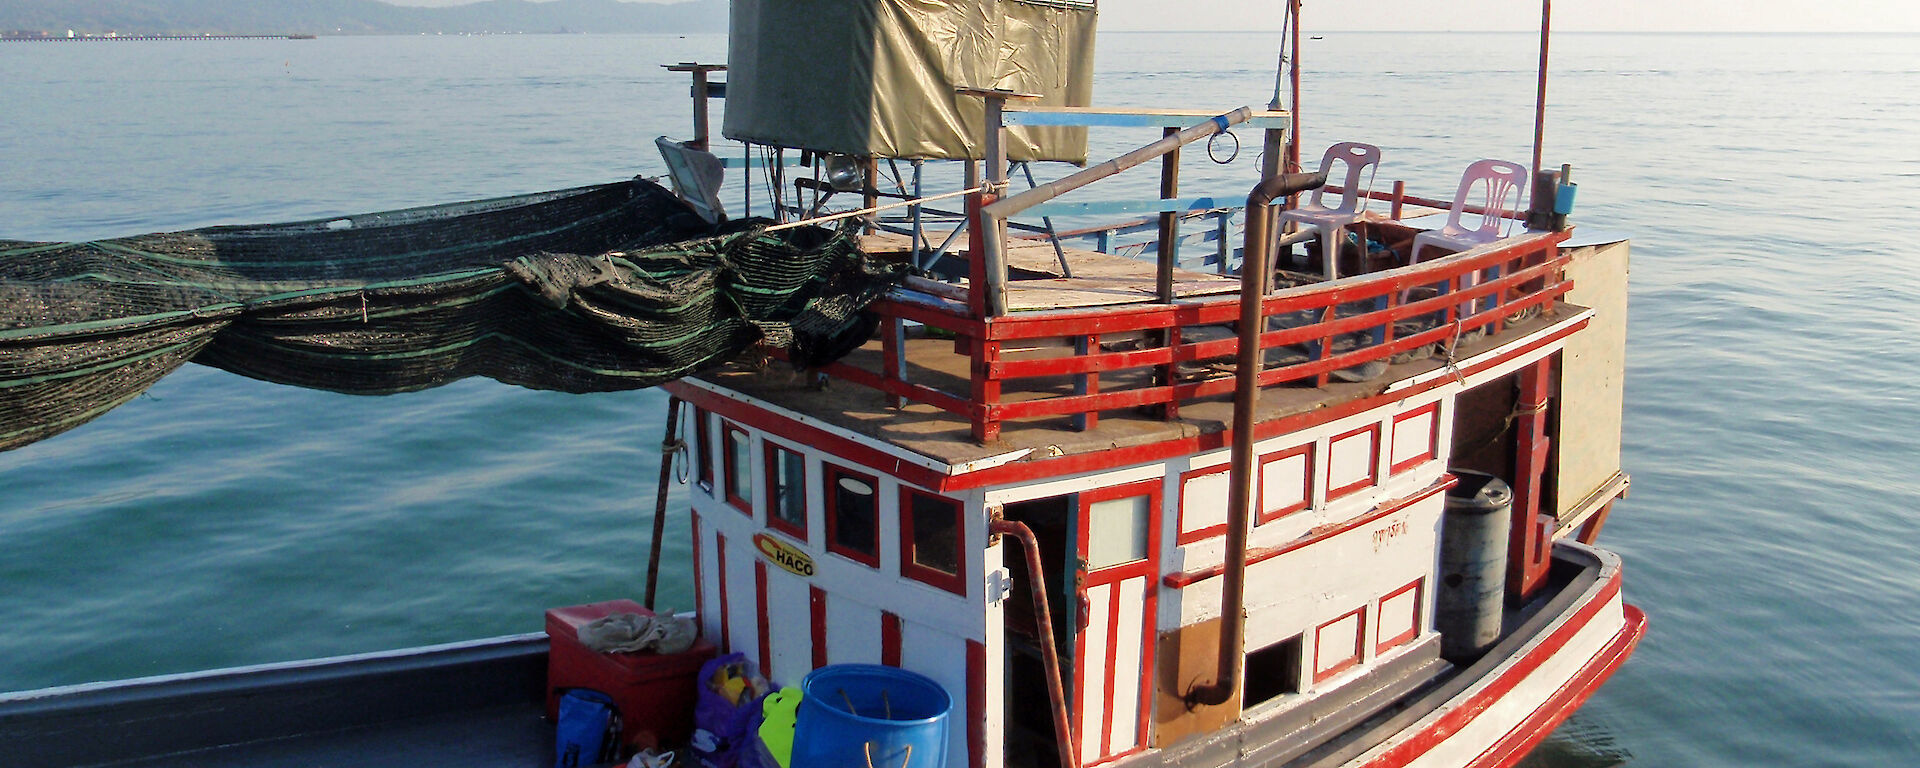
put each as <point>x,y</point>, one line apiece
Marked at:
<point>904,759</point>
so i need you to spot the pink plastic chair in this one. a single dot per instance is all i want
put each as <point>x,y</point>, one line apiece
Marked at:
<point>1332,222</point>
<point>1489,184</point>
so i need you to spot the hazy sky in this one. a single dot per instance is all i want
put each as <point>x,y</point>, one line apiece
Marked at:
<point>1607,15</point>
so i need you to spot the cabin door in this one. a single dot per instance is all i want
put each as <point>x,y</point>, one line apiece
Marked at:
<point>1119,537</point>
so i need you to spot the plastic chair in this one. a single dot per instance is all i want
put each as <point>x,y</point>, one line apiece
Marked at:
<point>1489,184</point>
<point>1332,222</point>
<point>696,176</point>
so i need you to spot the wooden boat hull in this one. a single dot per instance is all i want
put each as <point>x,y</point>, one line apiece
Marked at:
<point>479,703</point>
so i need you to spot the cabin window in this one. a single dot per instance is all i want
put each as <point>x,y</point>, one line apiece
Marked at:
<point>853,515</point>
<point>703,449</point>
<point>739,466</point>
<point>1117,531</point>
<point>930,530</point>
<point>1273,671</point>
<point>787,491</point>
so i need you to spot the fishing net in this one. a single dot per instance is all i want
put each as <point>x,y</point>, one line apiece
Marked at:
<point>601,288</point>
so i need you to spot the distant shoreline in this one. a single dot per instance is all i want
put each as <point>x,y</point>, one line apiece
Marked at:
<point>106,38</point>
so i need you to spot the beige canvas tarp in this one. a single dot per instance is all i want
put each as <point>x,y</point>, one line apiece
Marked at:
<point>877,77</point>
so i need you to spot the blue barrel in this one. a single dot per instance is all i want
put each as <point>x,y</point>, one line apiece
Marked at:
<point>861,715</point>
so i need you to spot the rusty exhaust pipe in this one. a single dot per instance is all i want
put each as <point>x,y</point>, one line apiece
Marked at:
<point>1246,394</point>
<point>1043,621</point>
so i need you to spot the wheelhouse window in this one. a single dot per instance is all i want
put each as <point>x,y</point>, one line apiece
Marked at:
<point>1117,531</point>
<point>853,515</point>
<point>930,530</point>
<point>703,448</point>
<point>786,491</point>
<point>738,453</point>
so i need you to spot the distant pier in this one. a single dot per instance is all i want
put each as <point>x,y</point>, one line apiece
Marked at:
<point>111,38</point>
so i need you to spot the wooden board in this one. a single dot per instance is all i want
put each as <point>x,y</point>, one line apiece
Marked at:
<point>1099,279</point>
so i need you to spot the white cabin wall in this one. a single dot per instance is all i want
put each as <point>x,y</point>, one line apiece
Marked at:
<point>853,632</point>
<point>935,624</point>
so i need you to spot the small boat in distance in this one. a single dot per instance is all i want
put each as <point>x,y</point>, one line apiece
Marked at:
<point>1302,473</point>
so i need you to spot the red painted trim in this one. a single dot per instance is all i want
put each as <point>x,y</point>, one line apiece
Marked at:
<point>1112,576</point>
<point>1183,536</point>
<point>1419,589</point>
<point>817,608</point>
<point>1185,579</point>
<point>704,445</point>
<point>867,456</point>
<point>831,475</point>
<point>1306,484</point>
<point>801,433</point>
<point>771,457</point>
<point>1128,456</point>
<point>726,615</point>
<point>764,623</point>
<point>1530,546</point>
<point>1433,436</point>
<point>1113,642</point>
<point>1068,322</point>
<point>938,317</point>
<point>1459,716</point>
<point>730,436</point>
<point>909,566</point>
<point>1520,740</point>
<point>976,704</point>
<point>1373,461</point>
<point>890,638</point>
<point>699,580</point>
<point>895,387</point>
<point>1359,615</point>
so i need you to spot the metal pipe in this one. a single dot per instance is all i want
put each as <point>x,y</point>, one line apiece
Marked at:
<point>1540,95</point>
<point>1293,109</point>
<point>1043,621</point>
<point>1057,187</point>
<point>1246,395</point>
<point>669,446</point>
<point>1169,226</point>
<point>993,228</point>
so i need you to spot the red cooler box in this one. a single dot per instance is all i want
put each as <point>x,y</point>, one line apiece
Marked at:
<point>655,692</point>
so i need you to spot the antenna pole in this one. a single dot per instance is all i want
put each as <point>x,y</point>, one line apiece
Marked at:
<point>1540,95</point>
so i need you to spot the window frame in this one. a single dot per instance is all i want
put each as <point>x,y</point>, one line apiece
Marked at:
<point>703,457</point>
<point>830,475</point>
<point>1419,588</point>
<point>1263,515</point>
<point>1372,477</point>
<point>1352,660</point>
<point>729,466</point>
<point>911,568</point>
<point>770,459</point>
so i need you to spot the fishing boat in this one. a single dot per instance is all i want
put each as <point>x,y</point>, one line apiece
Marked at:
<point>1324,489</point>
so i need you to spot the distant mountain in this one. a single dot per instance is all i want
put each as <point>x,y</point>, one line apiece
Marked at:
<point>333,17</point>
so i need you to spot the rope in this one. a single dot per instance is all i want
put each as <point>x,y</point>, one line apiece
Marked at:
<point>874,209</point>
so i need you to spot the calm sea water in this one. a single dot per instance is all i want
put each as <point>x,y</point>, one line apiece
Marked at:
<point>1771,420</point>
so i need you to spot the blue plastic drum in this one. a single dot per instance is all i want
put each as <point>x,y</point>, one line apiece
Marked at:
<point>870,716</point>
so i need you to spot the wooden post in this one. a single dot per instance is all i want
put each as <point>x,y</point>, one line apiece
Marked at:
<point>1530,544</point>
<point>701,130</point>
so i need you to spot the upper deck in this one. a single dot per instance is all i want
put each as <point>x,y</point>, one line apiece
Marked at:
<point>1111,367</point>
<point>1038,346</point>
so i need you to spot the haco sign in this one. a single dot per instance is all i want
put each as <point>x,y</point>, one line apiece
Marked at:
<point>784,555</point>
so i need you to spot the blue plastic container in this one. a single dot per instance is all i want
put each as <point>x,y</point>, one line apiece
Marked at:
<point>860,715</point>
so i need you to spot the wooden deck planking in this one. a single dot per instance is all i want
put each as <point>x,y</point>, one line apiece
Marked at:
<point>1099,279</point>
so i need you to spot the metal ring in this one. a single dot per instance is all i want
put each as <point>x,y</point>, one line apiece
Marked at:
<point>1216,137</point>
